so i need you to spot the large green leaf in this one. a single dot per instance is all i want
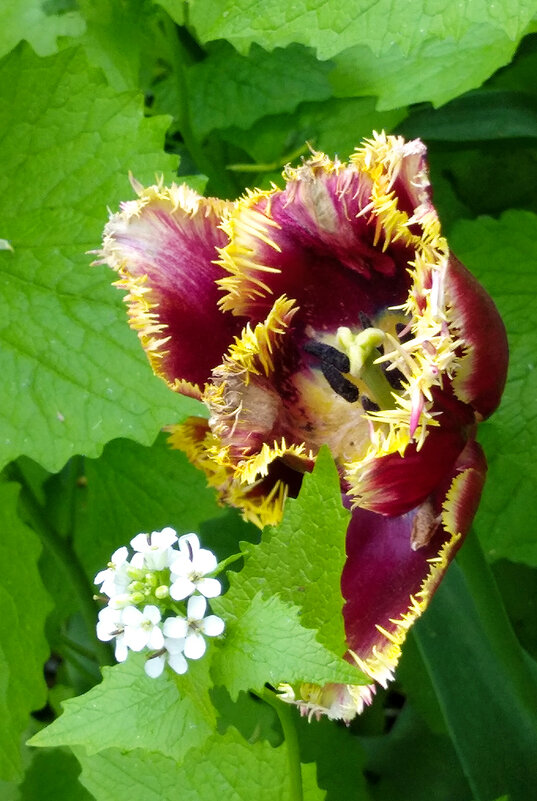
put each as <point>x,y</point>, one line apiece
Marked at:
<point>27,19</point>
<point>267,643</point>
<point>227,767</point>
<point>24,605</point>
<point>474,667</point>
<point>502,254</point>
<point>74,375</point>
<point>399,78</point>
<point>332,26</point>
<point>301,560</point>
<point>227,88</point>
<point>129,711</point>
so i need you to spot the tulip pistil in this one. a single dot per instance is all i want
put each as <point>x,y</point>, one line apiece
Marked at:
<point>362,352</point>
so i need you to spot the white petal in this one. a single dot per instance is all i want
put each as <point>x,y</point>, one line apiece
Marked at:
<point>181,566</point>
<point>101,576</point>
<point>181,588</point>
<point>204,562</point>
<point>156,639</point>
<point>131,616</point>
<point>120,556</point>
<point>175,627</point>
<point>136,638</point>
<point>137,561</point>
<point>163,539</point>
<point>212,626</point>
<point>103,632</point>
<point>140,543</point>
<point>178,663</point>
<point>196,607</point>
<point>194,646</point>
<point>186,540</point>
<point>152,613</point>
<point>122,651</point>
<point>121,601</point>
<point>174,645</point>
<point>209,587</point>
<point>154,667</point>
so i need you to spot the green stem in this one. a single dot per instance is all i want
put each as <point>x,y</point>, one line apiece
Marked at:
<point>286,714</point>
<point>494,619</point>
<point>65,555</point>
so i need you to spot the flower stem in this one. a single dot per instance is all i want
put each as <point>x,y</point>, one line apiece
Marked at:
<point>65,555</point>
<point>285,714</point>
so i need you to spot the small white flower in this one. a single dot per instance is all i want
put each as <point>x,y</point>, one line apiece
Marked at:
<point>110,626</point>
<point>173,655</point>
<point>193,627</point>
<point>142,629</point>
<point>189,569</point>
<point>155,548</point>
<point>114,579</point>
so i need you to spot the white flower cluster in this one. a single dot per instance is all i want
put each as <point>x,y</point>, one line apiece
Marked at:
<point>148,605</point>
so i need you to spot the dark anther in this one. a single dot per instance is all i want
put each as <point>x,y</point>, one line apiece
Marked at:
<point>368,405</point>
<point>394,377</point>
<point>339,383</point>
<point>365,321</point>
<point>328,355</point>
<point>399,328</point>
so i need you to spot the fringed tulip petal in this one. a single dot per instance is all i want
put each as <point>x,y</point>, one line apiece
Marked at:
<point>394,564</point>
<point>482,371</point>
<point>163,245</point>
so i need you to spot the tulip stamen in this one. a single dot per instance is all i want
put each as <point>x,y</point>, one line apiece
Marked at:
<point>362,350</point>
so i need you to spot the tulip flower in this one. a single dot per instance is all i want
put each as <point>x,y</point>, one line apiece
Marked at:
<point>329,312</point>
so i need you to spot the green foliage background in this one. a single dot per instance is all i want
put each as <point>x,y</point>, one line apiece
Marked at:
<point>223,94</point>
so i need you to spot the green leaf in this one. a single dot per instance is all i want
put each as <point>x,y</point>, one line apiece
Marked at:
<point>480,115</point>
<point>283,611</point>
<point>129,711</point>
<point>502,254</point>
<point>27,19</point>
<point>249,714</point>
<point>267,643</point>
<point>228,88</point>
<point>74,375</point>
<point>412,762</point>
<point>226,767</point>
<point>338,755</point>
<point>175,8</point>
<point>53,776</point>
<point>331,26</point>
<point>301,560</point>
<point>334,126</point>
<point>398,78</point>
<point>119,38</point>
<point>24,605</point>
<point>471,670</point>
<point>131,489</point>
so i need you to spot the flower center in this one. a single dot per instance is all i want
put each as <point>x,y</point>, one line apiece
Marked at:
<point>351,367</point>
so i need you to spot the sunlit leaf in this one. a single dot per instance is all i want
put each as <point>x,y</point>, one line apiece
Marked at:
<point>74,375</point>
<point>333,26</point>
<point>131,711</point>
<point>227,767</point>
